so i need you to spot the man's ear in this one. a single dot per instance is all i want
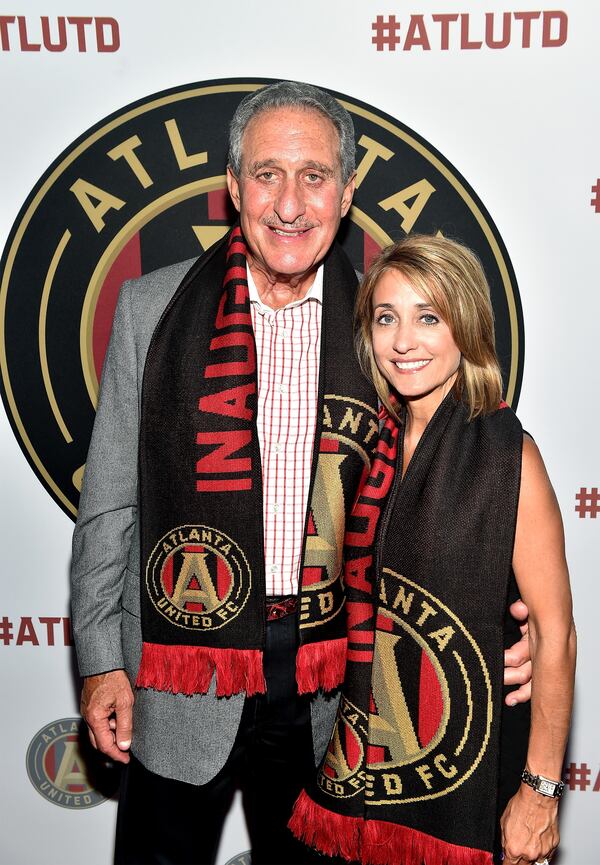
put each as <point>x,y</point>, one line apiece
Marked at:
<point>234,188</point>
<point>348,193</point>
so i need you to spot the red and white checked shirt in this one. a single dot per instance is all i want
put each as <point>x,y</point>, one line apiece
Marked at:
<point>288,342</point>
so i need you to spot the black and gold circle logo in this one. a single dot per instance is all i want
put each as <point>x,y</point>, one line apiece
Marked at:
<point>64,770</point>
<point>431,708</point>
<point>348,438</point>
<point>145,188</point>
<point>343,771</point>
<point>198,578</point>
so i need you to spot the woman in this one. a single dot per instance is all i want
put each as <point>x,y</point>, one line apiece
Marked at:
<point>424,758</point>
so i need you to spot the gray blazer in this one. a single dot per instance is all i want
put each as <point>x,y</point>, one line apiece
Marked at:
<point>186,738</point>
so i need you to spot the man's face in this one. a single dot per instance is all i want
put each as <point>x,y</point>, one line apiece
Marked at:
<point>290,194</point>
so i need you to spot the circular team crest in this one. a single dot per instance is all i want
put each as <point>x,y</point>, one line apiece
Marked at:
<point>348,438</point>
<point>198,578</point>
<point>62,772</point>
<point>430,724</point>
<point>431,705</point>
<point>343,771</point>
<point>145,188</point>
<point>241,859</point>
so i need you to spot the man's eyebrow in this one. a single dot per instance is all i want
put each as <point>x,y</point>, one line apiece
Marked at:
<point>320,166</point>
<point>257,166</point>
<point>254,167</point>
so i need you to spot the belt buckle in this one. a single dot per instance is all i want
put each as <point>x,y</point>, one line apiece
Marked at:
<point>278,609</point>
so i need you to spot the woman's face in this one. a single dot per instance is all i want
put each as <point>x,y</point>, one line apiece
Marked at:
<point>413,346</point>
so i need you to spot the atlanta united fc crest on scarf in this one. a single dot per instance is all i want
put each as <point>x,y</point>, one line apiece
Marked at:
<point>198,578</point>
<point>203,600</point>
<point>414,753</point>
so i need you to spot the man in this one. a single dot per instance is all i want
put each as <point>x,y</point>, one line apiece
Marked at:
<point>224,480</point>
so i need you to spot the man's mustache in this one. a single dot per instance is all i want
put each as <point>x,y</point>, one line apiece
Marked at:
<point>297,225</point>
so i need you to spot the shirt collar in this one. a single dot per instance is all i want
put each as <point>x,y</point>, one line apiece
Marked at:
<point>315,292</point>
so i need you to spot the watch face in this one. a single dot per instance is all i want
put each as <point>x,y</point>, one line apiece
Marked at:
<point>546,787</point>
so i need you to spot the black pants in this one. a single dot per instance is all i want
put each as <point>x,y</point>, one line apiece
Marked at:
<point>165,822</point>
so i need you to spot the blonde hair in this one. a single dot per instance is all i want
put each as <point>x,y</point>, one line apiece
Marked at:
<point>450,277</point>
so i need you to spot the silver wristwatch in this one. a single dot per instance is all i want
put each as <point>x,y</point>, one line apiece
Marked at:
<point>542,785</point>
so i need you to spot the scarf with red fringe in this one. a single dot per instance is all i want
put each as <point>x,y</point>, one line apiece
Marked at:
<point>203,592</point>
<point>411,772</point>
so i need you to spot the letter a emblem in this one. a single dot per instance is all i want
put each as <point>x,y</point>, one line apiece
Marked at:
<point>194,568</point>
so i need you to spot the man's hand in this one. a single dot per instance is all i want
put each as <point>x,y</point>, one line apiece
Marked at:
<point>517,660</point>
<point>106,706</point>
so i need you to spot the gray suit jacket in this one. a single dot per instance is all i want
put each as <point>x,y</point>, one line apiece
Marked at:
<point>187,738</point>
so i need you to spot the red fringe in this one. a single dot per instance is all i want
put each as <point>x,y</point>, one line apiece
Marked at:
<point>375,842</point>
<point>189,670</point>
<point>324,830</point>
<point>321,665</point>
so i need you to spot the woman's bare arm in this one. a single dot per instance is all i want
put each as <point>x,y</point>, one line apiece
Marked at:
<point>529,823</point>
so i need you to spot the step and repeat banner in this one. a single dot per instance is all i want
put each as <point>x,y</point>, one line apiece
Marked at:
<point>480,122</point>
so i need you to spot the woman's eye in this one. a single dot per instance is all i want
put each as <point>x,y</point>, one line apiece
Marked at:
<point>429,318</point>
<point>385,318</point>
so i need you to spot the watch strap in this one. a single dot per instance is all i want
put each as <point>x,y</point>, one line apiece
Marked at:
<point>542,785</point>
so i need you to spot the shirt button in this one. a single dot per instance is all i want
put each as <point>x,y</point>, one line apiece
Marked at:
<point>275,508</point>
<point>281,388</point>
<point>273,569</point>
<point>277,448</point>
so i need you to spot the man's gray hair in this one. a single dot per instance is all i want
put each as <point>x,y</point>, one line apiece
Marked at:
<point>293,94</point>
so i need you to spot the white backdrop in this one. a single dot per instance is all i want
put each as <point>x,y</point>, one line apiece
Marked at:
<point>520,123</point>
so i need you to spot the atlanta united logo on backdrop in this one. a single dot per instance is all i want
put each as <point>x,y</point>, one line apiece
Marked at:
<point>60,772</point>
<point>145,188</point>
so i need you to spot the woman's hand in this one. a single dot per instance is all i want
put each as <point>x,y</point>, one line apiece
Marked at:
<point>529,827</point>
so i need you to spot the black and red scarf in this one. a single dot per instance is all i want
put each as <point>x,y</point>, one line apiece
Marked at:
<point>411,773</point>
<point>203,589</point>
